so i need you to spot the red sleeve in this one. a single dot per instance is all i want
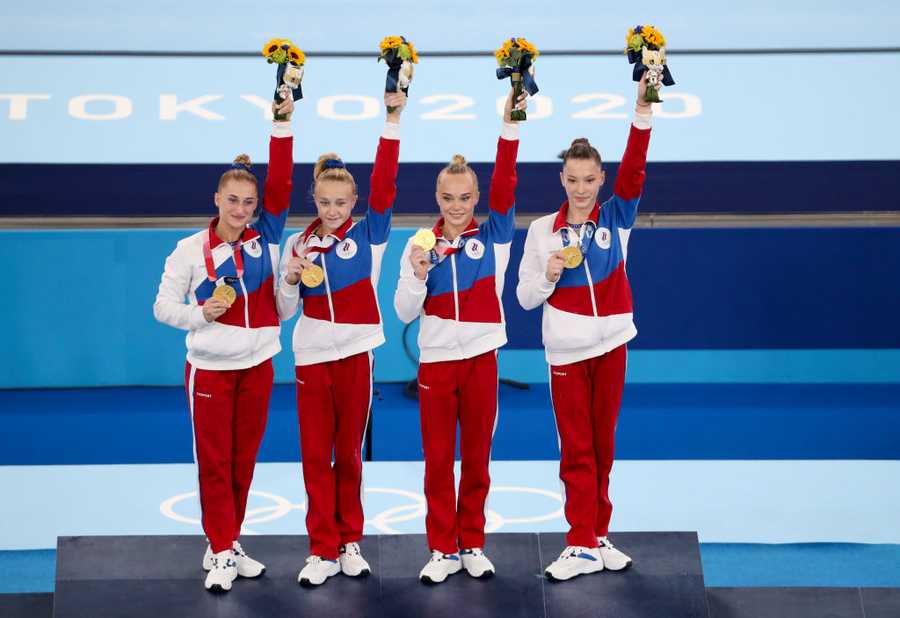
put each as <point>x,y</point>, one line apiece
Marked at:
<point>630,179</point>
<point>383,184</point>
<point>278,177</point>
<point>503,181</point>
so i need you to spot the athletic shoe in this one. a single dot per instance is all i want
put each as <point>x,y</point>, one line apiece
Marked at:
<point>223,571</point>
<point>352,562</point>
<point>439,567</point>
<point>476,563</point>
<point>247,566</point>
<point>613,559</point>
<point>575,561</point>
<point>317,570</point>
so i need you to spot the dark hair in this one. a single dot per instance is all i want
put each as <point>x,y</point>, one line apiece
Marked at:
<point>240,171</point>
<point>581,149</point>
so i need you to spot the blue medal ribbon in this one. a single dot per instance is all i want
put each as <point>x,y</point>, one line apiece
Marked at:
<point>586,236</point>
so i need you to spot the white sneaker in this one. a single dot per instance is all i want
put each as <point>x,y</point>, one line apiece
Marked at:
<point>575,561</point>
<point>317,570</point>
<point>247,566</point>
<point>223,571</point>
<point>439,567</point>
<point>476,563</point>
<point>613,559</point>
<point>352,562</point>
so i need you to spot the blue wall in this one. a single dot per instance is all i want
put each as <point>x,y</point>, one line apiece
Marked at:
<point>713,305</point>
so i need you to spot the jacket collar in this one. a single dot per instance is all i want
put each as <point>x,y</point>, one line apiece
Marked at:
<point>563,214</point>
<point>438,229</point>
<point>338,234</point>
<point>214,241</point>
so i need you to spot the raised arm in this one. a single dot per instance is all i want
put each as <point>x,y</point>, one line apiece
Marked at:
<point>502,197</point>
<point>170,307</point>
<point>383,183</point>
<point>279,177</point>
<point>630,179</point>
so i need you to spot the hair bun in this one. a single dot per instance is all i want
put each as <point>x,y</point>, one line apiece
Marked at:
<point>459,160</point>
<point>242,159</point>
<point>581,140</point>
<point>320,163</point>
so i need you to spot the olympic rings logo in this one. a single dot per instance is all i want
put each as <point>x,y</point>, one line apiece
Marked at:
<point>384,521</point>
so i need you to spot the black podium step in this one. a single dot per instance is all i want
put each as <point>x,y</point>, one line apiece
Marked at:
<point>26,605</point>
<point>160,577</point>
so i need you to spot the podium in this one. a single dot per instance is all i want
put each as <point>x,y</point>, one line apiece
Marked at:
<point>161,577</point>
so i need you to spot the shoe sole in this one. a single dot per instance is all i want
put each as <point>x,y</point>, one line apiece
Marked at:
<point>430,582</point>
<point>363,573</point>
<point>624,568</point>
<point>307,583</point>
<point>550,576</point>
<point>484,575</point>
<point>217,589</point>
<point>260,574</point>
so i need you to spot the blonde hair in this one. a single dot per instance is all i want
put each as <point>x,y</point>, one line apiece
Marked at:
<point>240,172</point>
<point>458,165</point>
<point>327,169</point>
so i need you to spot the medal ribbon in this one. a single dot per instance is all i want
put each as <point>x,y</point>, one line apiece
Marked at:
<point>587,233</point>
<point>339,235</point>
<point>211,266</point>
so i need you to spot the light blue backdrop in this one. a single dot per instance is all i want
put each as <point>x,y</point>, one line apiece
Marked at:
<point>732,108</point>
<point>230,25</point>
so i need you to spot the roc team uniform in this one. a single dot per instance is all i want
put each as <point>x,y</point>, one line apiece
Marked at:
<point>228,374</point>
<point>339,326</point>
<point>587,321</point>
<point>462,326</point>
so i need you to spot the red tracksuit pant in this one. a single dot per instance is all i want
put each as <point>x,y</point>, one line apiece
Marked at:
<point>333,401</point>
<point>229,411</point>
<point>463,391</point>
<point>586,399</point>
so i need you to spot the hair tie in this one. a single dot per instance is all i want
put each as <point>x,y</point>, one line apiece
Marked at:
<point>332,164</point>
<point>241,166</point>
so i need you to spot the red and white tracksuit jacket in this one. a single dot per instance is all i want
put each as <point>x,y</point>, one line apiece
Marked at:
<point>339,326</point>
<point>228,374</point>
<point>587,321</point>
<point>461,328</point>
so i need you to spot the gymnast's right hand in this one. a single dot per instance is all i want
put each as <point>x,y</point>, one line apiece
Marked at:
<point>295,266</point>
<point>419,260</point>
<point>555,266</point>
<point>213,308</point>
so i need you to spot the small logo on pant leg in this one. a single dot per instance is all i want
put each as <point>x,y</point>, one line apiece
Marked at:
<point>423,387</point>
<point>206,395</point>
<point>560,373</point>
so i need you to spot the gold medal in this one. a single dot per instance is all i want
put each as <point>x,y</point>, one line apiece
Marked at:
<point>226,293</point>
<point>425,239</point>
<point>312,276</point>
<point>573,257</point>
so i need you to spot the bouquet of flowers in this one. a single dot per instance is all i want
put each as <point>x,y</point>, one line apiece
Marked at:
<point>290,60</point>
<point>647,52</point>
<point>516,59</point>
<point>400,56</point>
